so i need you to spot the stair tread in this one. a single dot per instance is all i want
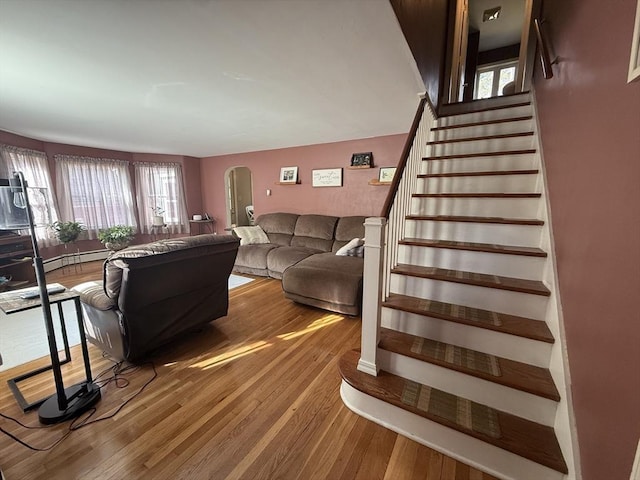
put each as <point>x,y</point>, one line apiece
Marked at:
<point>460,218</point>
<point>476,195</point>
<point>499,322</point>
<point>486,122</point>
<point>517,375</point>
<point>482,137</point>
<point>481,154</point>
<point>476,247</point>
<point>486,173</point>
<point>525,438</point>
<point>471,278</point>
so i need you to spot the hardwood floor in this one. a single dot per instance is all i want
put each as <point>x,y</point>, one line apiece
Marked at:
<point>255,395</point>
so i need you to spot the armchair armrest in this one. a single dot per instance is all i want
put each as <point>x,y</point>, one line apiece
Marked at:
<point>92,293</point>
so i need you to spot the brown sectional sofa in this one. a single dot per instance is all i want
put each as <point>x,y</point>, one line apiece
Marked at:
<point>301,252</point>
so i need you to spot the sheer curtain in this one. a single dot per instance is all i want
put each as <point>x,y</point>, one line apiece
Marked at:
<point>95,192</point>
<point>35,168</point>
<point>159,186</point>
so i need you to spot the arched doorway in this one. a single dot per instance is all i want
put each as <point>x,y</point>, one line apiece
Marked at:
<point>239,195</point>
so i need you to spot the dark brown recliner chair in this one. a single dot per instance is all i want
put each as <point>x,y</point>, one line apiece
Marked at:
<point>151,293</point>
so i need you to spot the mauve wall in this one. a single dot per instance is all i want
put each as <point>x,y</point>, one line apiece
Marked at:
<point>355,197</point>
<point>590,130</point>
<point>190,170</point>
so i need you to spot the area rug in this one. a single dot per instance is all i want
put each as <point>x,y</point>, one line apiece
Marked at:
<point>23,335</point>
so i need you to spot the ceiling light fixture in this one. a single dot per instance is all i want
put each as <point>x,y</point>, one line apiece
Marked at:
<point>491,14</point>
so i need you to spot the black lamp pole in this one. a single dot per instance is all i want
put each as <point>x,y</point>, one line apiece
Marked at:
<point>66,403</point>
<point>18,178</point>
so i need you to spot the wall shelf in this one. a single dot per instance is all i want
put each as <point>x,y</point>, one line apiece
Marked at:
<point>288,183</point>
<point>360,167</point>
<point>377,183</point>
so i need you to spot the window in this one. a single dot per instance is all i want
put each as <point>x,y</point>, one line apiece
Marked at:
<point>159,190</point>
<point>95,192</point>
<point>491,79</point>
<point>35,168</point>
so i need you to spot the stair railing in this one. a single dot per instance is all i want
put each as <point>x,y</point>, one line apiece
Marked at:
<point>382,235</point>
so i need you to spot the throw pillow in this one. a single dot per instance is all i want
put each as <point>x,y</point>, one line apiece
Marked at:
<point>350,248</point>
<point>251,235</point>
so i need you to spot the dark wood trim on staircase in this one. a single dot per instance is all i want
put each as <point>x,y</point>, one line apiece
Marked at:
<point>486,173</point>
<point>525,438</point>
<point>458,218</point>
<point>533,287</point>
<point>475,317</point>
<point>404,158</point>
<point>516,375</point>
<point>486,122</point>
<point>481,154</point>
<point>465,108</point>
<point>475,247</point>
<point>485,137</point>
<point>476,195</point>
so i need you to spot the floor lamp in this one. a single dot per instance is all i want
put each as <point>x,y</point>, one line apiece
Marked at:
<point>66,403</point>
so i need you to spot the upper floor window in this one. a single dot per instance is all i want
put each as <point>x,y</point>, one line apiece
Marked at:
<point>491,79</point>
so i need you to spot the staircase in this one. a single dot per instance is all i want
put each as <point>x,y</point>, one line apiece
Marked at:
<point>468,354</point>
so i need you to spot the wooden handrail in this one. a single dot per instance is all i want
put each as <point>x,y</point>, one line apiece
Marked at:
<point>403,159</point>
<point>545,58</point>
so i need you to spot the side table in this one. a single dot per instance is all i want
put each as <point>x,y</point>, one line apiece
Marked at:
<point>11,302</point>
<point>207,223</point>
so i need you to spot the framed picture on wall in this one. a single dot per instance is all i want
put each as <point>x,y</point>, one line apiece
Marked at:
<point>327,177</point>
<point>362,160</point>
<point>289,175</point>
<point>386,174</point>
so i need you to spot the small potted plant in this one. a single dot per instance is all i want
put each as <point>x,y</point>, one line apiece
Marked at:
<point>67,232</point>
<point>158,215</point>
<point>117,237</point>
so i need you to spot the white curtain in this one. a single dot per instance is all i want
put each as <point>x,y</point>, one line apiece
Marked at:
<point>95,192</point>
<point>160,190</point>
<point>35,168</point>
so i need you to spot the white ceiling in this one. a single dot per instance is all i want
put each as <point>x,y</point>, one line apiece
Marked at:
<point>505,30</point>
<point>203,77</point>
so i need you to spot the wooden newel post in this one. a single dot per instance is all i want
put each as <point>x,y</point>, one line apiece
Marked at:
<point>372,293</point>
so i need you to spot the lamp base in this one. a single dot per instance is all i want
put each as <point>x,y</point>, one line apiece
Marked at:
<point>83,395</point>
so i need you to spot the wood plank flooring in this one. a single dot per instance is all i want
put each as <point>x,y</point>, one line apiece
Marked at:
<point>254,395</point>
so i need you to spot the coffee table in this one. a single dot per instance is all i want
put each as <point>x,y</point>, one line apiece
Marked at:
<point>10,302</point>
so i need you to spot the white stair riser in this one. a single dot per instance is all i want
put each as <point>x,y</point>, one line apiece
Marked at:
<point>525,161</point>
<point>501,344</point>
<point>480,146</point>
<point>521,208</point>
<point>518,266</point>
<point>494,299</point>
<point>495,233</point>
<point>484,130</point>
<point>462,447</point>
<point>509,400</point>
<point>485,116</point>
<point>482,184</point>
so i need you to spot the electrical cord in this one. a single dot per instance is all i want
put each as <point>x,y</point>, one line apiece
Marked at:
<point>118,370</point>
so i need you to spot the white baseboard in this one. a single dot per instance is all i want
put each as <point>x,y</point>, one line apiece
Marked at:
<point>91,256</point>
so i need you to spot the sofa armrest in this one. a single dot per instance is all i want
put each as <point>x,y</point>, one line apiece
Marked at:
<point>92,293</point>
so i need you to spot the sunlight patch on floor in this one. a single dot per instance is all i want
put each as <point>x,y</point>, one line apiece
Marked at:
<point>317,325</point>
<point>227,357</point>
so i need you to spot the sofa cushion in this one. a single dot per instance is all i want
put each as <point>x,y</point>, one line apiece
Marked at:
<point>314,231</point>
<point>282,258</point>
<point>253,235</point>
<point>254,256</point>
<point>327,281</point>
<point>279,227</point>
<point>347,229</point>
